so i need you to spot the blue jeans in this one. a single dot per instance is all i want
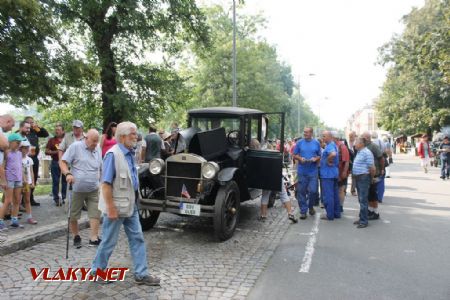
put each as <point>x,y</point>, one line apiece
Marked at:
<point>110,236</point>
<point>380,189</point>
<point>445,167</point>
<point>362,187</point>
<point>330,192</point>
<point>306,192</point>
<point>56,178</point>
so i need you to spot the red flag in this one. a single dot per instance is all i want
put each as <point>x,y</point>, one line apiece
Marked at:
<point>185,193</point>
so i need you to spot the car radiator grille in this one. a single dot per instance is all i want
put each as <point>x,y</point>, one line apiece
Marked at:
<point>178,174</point>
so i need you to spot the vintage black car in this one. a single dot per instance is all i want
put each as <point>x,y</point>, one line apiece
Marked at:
<point>217,169</point>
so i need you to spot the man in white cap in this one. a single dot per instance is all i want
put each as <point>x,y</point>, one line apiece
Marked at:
<point>69,138</point>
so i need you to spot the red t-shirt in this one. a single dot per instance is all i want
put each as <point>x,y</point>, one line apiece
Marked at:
<point>344,155</point>
<point>53,145</point>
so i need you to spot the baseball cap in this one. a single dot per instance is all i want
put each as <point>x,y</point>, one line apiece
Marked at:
<point>25,143</point>
<point>15,137</point>
<point>77,123</point>
<point>164,135</point>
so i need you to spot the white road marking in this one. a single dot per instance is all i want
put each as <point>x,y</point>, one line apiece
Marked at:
<point>309,249</point>
<point>409,251</point>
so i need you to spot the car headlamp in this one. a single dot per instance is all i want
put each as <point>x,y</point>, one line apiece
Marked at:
<point>156,166</point>
<point>210,169</point>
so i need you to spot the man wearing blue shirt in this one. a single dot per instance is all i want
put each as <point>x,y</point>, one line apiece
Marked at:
<point>307,153</point>
<point>119,193</point>
<point>329,173</point>
<point>363,171</point>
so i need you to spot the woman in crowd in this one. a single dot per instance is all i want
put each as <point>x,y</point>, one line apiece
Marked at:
<point>108,140</point>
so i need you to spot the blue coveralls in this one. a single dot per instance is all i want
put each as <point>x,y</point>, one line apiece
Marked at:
<point>307,187</point>
<point>329,176</point>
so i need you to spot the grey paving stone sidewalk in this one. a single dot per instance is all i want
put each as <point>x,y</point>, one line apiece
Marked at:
<point>52,222</point>
<point>181,251</point>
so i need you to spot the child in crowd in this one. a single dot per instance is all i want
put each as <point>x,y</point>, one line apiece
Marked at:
<point>28,179</point>
<point>14,178</point>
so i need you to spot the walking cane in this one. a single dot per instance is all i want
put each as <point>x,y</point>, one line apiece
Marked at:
<point>68,221</point>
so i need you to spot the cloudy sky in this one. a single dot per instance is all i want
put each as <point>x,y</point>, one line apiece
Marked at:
<point>337,40</point>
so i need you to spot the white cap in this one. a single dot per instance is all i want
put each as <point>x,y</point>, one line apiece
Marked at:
<point>77,123</point>
<point>25,143</point>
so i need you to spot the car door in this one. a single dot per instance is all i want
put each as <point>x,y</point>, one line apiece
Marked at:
<point>263,167</point>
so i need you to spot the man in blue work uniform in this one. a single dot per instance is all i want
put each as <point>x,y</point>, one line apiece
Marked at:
<point>307,153</point>
<point>329,172</point>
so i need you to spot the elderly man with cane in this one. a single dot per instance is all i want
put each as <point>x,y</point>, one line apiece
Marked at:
<point>118,202</point>
<point>85,160</point>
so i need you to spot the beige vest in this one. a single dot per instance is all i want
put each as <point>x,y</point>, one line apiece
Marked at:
<point>123,192</point>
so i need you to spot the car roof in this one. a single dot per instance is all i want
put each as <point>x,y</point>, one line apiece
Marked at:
<point>224,111</point>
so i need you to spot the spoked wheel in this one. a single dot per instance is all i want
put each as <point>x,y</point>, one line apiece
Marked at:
<point>148,218</point>
<point>226,211</point>
<point>145,191</point>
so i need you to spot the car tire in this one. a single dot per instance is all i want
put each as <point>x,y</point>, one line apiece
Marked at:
<point>226,211</point>
<point>148,218</point>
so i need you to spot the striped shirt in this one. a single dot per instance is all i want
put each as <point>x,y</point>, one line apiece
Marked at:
<point>363,162</point>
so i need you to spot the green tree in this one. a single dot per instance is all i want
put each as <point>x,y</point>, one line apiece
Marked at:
<point>25,74</point>
<point>121,34</point>
<point>263,81</point>
<point>416,94</point>
<point>122,50</point>
<point>307,116</point>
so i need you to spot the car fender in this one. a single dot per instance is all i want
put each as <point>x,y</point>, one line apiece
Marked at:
<point>226,175</point>
<point>235,174</point>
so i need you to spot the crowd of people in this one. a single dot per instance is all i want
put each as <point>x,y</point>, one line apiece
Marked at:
<point>426,154</point>
<point>99,171</point>
<point>324,165</point>
<point>78,165</point>
<point>84,165</point>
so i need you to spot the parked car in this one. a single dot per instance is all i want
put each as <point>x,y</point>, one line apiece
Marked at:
<point>217,170</point>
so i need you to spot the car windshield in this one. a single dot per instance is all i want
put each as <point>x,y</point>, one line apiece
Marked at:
<point>230,124</point>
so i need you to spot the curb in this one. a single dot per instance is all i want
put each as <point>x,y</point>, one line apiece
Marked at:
<point>40,235</point>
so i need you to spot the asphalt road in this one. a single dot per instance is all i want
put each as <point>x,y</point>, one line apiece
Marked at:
<point>404,255</point>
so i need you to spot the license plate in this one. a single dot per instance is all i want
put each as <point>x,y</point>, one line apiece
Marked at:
<point>190,209</point>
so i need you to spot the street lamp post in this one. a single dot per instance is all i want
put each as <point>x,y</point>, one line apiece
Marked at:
<point>234,54</point>
<point>299,103</point>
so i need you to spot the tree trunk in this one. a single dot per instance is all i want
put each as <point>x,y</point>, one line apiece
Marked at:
<point>103,40</point>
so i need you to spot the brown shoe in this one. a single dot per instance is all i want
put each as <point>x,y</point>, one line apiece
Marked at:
<point>147,280</point>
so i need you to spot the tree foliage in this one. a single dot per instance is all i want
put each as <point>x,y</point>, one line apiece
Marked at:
<point>263,81</point>
<point>416,93</point>
<point>121,34</point>
<point>119,54</point>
